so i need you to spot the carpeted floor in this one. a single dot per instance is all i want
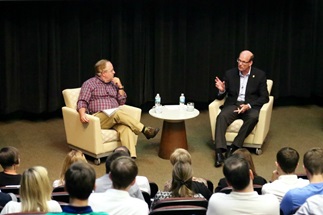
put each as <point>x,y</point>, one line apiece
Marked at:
<point>43,142</point>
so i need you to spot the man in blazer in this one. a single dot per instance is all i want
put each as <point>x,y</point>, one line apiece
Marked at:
<point>245,89</point>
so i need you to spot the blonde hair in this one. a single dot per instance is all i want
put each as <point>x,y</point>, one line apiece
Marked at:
<point>181,155</point>
<point>182,180</point>
<point>70,158</point>
<point>35,190</point>
<point>99,66</point>
<point>247,155</point>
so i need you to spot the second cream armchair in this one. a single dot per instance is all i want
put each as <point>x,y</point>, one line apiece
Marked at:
<point>257,136</point>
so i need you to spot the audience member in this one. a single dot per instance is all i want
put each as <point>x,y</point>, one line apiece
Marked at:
<point>284,177</point>
<point>35,193</point>
<point>182,155</point>
<point>79,183</point>
<point>256,179</point>
<point>6,197</point>
<point>70,158</point>
<point>313,165</point>
<point>117,201</point>
<point>9,160</point>
<point>104,91</point>
<point>141,181</point>
<point>182,184</point>
<point>243,199</point>
<point>105,183</point>
<point>312,206</point>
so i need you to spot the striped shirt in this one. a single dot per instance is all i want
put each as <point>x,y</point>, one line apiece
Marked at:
<point>96,95</point>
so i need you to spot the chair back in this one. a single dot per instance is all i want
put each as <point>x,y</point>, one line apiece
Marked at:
<point>179,210</point>
<point>61,197</point>
<point>10,189</point>
<point>256,187</point>
<point>201,202</point>
<point>147,198</point>
<point>210,185</point>
<point>59,189</point>
<point>269,85</point>
<point>71,96</point>
<point>153,189</point>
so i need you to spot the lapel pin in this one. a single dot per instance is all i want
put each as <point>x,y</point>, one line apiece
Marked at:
<point>253,76</point>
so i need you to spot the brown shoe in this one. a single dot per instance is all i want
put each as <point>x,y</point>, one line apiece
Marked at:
<point>150,132</point>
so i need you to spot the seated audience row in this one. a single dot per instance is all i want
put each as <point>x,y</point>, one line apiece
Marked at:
<point>118,186</point>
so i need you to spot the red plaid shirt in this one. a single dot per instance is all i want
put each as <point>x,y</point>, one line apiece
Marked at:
<point>96,95</point>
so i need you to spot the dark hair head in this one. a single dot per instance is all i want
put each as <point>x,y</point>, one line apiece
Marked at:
<point>313,161</point>
<point>9,156</point>
<point>287,158</point>
<point>247,155</point>
<point>122,148</point>
<point>80,180</point>
<point>123,172</point>
<point>236,171</point>
<point>112,157</point>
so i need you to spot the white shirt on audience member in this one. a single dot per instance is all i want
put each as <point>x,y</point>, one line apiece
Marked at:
<point>143,183</point>
<point>237,203</point>
<point>117,202</point>
<point>15,207</point>
<point>284,183</point>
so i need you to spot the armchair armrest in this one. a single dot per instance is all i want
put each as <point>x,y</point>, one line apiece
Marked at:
<point>214,109</point>
<point>264,121</point>
<point>82,135</point>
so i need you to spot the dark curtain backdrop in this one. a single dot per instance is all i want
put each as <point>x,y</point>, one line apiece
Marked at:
<point>156,46</point>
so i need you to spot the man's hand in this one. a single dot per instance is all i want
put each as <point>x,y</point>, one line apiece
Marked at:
<point>117,82</point>
<point>274,175</point>
<point>83,117</point>
<point>242,108</point>
<point>219,84</point>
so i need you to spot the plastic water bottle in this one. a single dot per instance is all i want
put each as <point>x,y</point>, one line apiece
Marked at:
<point>158,108</point>
<point>182,102</point>
<point>157,100</point>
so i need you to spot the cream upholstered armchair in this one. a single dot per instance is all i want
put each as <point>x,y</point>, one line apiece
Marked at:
<point>89,137</point>
<point>257,136</point>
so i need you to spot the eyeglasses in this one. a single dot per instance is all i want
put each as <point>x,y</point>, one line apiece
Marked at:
<point>243,62</point>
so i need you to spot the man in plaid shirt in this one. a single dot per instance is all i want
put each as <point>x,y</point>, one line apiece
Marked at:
<point>104,91</point>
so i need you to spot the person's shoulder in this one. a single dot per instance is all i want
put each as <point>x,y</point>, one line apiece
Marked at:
<point>257,70</point>
<point>218,195</point>
<point>233,70</point>
<point>90,81</point>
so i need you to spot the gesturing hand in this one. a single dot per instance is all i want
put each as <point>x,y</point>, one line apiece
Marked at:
<point>219,84</point>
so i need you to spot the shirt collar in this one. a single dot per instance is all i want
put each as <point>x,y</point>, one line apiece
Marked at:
<point>77,210</point>
<point>240,74</point>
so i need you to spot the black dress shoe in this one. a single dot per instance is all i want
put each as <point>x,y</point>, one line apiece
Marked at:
<point>229,152</point>
<point>219,159</point>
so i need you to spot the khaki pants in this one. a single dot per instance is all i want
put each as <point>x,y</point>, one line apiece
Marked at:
<point>125,125</point>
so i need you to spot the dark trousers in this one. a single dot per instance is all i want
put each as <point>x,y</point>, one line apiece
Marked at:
<point>226,117</point>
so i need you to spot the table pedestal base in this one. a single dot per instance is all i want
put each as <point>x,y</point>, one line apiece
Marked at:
<point>173,137</point>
